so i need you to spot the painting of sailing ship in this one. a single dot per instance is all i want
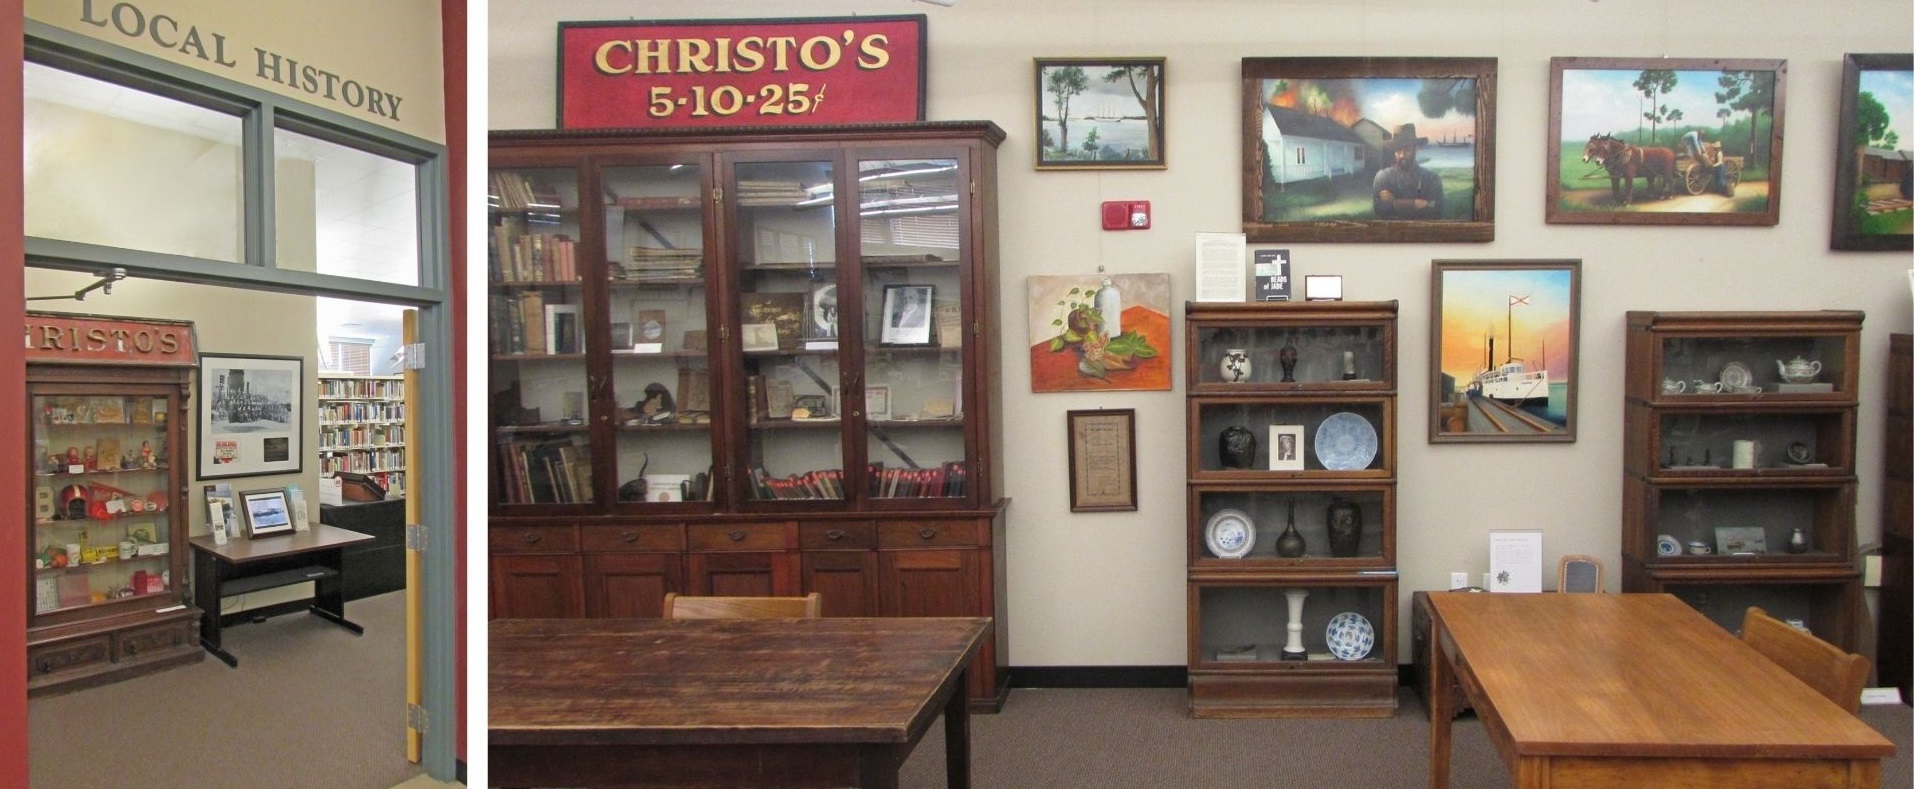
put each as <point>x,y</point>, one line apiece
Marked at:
<point>1100,114</point>
<point>1504,347</point>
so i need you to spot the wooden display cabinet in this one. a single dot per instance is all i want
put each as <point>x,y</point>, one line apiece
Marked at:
<point>1319,400</point>
<point>748,362</point>
<point>1896,639</point>
<point>106,551</point>
<point>1738,474</point>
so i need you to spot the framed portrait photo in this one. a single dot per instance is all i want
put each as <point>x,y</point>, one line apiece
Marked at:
<point>1285,447</point>
<point>251,413</point>
<point>267,512</point>
<point>1368,149</point>
<point>1503,350</point>
<point>1103,460</point>
<point>906,315</point>
<point>1873,165</point>
<point>1100,114</point>
<point>1665,141</point>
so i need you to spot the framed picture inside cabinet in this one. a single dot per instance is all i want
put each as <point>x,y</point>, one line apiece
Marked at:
<point>1368,149</point>
<point>1665,141</point>
<point>251,415</point>
<point>1874,155</point>
<point>1103,460</point>
<point>1285,447</point>
<point>1100,114</point>
<point>1504,350</point>
<point>906,315</point>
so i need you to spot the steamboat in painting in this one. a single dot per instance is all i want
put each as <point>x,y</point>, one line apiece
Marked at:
<point>1511,381</point>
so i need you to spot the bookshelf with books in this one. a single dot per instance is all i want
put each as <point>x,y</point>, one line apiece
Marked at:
<point>362,428</point>
<point>735,410</point>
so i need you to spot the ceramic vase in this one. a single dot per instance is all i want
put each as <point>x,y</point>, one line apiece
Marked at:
<point>1290,544</point>
<point>1345,528</point>
<point>1235,368</point>
<point>1237,447</point>
<point>1293,647</point>
<point>1287,358</point>
<point>1798,540</point>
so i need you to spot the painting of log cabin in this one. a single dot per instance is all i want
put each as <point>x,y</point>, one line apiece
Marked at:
<point>1874,165</point>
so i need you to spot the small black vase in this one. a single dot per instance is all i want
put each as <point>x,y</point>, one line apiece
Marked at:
<point>1345,528</point>
<point>1237,447</point>
<point>1290,544</point>
<point>1287,358</point>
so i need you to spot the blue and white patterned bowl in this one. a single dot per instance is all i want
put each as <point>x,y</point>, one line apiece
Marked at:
<point>1350,636</point>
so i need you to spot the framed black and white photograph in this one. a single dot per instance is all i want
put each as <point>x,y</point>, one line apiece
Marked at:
<point>906,315</point>
<point>820,312</point>
<point>251,411</point>
<point>1285,447</point>
<point>267,512</point>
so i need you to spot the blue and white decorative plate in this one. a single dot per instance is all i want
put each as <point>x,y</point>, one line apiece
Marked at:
<point>1350,636</point>
<point>1667,545</point>
<point>1345,441</point>
<point>1230,534</point>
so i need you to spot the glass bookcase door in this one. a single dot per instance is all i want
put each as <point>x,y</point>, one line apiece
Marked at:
<point>538,379</point>
<point>787,286</point>
<point>659,343</point>
<point>103,499</point>
<point>910,255</point>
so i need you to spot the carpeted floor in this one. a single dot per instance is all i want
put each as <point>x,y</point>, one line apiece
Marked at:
<point>310,705</point>
<point>1145,739</point>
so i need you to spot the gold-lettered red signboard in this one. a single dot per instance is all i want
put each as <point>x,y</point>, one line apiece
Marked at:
<point>65,338</point>
<point>740,72</point>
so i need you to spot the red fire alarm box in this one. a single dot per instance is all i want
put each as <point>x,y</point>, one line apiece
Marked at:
<point>1126,215</point>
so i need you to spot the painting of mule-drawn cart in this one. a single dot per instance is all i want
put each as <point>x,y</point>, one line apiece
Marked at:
<point>1368,149</point>
<point>1669,141</point>
<point>1874,155</point>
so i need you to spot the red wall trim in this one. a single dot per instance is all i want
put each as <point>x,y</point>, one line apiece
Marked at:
<point>453,34</point>
<point>13,443</point>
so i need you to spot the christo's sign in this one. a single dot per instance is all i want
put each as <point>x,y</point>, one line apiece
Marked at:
<point>740,72</point>
<point>105,339</point>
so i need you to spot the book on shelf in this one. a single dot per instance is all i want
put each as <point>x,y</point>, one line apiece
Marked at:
<point>545,471</point>
<point>562,329</point>
<point>513,191</point>
<point>529,331</point>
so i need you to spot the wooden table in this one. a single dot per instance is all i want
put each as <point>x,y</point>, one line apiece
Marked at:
<point>1606,690</point>
<point>725,702</point>
<point>250,565</point>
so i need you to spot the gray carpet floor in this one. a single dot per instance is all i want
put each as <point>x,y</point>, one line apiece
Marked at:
<point>1145,739</point>
<point>310,705</point>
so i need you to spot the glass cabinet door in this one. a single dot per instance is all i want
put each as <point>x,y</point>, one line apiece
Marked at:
<point>910,254</point>
<point>102,499</point>
<point>785,245</point>
<point>538,381</point>
<point>659,345</point>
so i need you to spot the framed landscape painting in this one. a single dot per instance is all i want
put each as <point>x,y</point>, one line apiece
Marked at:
<point>1100,114</point>
<point>1503,350</point>
<point>1368,149</point>
<point>1665,141</point>
<point>1874,155</point>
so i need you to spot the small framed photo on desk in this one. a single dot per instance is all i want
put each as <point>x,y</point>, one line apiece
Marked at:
<point>267,512</point>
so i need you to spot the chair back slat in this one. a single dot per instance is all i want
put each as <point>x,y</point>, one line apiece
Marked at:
<point>1823,666</point>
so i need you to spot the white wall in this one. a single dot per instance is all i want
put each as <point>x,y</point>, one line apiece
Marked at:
<point>1108,589</point>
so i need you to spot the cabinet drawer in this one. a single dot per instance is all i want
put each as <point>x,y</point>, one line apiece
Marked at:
<point>838,536</point>
<point>67,656</point>
<point>147,641</point>
<point>740,537</point>
<point>533,539</point>
<point>650,537</point>
<point>922,534</point>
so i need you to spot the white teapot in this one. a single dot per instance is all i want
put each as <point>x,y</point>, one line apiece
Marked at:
<point>1797,370</point>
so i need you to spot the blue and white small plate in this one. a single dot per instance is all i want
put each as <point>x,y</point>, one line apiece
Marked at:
<point>1350,636</point>
<point>1667,545</point>
<point>1230,534</point>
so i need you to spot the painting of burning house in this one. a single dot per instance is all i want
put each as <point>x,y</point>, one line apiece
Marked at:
<point>1368,149</point>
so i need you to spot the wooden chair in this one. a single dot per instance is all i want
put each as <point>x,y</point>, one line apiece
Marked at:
<point>1579,573</point>
<point>810,606</point>
<point>1837,675</point>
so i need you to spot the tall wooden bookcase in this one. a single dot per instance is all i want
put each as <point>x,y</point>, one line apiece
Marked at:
<point>1738,482</point>
<point>362,428</point>
<point>1323,459</point>
<point>748,362</point>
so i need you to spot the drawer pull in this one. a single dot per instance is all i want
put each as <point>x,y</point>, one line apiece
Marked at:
<point>531,537</point>
<point>133,648</point>
<point>927,533</point>
<point>46,665</point>
<point>834,535</point>
<point>736,535</point>
<point>628,536</point>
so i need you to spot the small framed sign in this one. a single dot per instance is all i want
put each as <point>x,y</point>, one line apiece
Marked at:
<point>267,512</point>
<point>1103,460</point>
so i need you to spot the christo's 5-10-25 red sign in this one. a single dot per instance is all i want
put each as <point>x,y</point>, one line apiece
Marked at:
<point>740,72</point>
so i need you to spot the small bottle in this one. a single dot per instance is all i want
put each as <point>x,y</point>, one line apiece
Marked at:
<point>1109,303</point>
<point>1798,540</point>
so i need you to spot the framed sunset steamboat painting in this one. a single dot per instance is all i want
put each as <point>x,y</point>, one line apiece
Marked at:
<point>1504,346</point>
<point>1665,141</point>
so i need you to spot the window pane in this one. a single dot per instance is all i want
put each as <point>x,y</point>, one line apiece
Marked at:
<point>345,212</point>
<point>119,167</point>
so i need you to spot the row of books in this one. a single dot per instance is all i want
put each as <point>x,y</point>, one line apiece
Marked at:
<point>942,481</point>
<point>333,460</point>
<point>361,437</point>
<point>362,411</point>
<point>362,388</point>
<point>517,256</point>
<point>525,324</point>
<point>545,471</point>
<point>820,484</point>
<point>514,192</point>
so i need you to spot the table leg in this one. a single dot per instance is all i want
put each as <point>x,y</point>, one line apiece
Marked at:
<point>957,733</point>
<point>1441,708</point>
<point>206,578</point>
<point>329,596</point>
